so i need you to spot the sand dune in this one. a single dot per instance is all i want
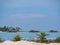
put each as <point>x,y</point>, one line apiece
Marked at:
<point>25,43</point>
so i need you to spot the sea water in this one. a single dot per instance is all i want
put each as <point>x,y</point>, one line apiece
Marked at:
<point>27,35</point>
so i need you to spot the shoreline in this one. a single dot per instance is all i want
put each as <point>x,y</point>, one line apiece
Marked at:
<point>23,42</point>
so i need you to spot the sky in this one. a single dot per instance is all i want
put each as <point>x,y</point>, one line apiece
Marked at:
<point>30,14</point>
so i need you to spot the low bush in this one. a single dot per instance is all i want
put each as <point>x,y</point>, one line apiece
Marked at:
<point>57,39</point>
<point>1,40</point>
<point>17,38</point>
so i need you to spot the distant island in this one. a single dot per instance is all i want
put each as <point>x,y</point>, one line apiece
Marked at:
<point>34,31</point>
<point>10,29</point>
<point>53,31</point>
<point>18,29</point>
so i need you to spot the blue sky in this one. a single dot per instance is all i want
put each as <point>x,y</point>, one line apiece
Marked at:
<point>30,14</point>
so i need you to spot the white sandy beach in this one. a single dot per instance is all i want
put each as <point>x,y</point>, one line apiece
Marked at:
<point>25,43</point>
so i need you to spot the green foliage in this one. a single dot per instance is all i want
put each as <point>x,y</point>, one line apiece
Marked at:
<point>17,38</point>
<point>42,36</point>
<point>10,29</point>
<point>1,40</point>
<point>5,28</point>
<point>18,29</point>
<point>57,39</point>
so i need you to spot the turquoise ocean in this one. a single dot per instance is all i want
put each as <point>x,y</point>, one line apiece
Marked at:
<point>27,35</point>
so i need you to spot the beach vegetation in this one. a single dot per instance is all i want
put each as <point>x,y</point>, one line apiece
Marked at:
<point>17,38</point>
<point>1,40</point>
<point>57,39</point>
<point>10,29</point>
<point>42,36</point>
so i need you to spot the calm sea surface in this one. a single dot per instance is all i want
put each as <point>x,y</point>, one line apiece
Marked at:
<point>26,35</point>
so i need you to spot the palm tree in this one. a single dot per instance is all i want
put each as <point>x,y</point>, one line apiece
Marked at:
<point>42,36</point>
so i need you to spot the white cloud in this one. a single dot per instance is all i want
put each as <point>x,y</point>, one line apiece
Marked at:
<point>26,16</point>
<point>22,18</point>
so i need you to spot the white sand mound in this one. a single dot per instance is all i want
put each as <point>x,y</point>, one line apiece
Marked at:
<point>8,43</point>
<point>54,44</point>
<point>25,43</point>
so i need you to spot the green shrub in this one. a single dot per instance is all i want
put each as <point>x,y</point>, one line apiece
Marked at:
<point>42,36</point>
<point>1,40</point>
<point>57,39</point>
<point>17,38</point>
